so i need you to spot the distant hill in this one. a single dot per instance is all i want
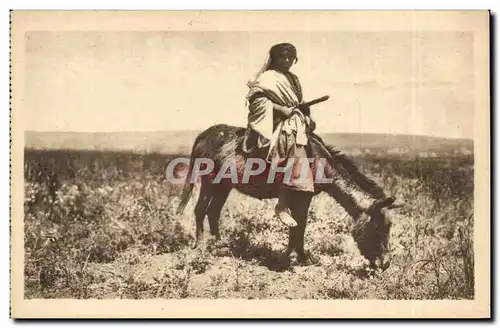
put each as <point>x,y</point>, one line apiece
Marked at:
<point>397,143</point>
<point>180,142</point>
<point>172,142</point>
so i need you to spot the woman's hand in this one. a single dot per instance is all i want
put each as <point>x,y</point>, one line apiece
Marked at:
<point>306,110</point>
<point>283,110</point>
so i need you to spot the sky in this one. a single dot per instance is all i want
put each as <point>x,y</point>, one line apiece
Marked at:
<point>378,82</point>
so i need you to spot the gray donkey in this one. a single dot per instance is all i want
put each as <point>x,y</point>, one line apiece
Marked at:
<point>348,186</point>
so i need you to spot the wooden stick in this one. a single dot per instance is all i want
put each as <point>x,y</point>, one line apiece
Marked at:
<point>316,101</point>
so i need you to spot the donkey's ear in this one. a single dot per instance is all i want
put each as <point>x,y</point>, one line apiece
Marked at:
<point>381,204</point>
<point>386,202</point>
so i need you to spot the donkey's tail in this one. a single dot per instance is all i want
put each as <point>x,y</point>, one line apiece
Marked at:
<point>187,190</point>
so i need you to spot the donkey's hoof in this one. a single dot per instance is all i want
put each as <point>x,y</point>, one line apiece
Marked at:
<point>198,244</point>
<point>305,261</point>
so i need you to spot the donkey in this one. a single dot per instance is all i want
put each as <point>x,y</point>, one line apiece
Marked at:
<point>348,186</point>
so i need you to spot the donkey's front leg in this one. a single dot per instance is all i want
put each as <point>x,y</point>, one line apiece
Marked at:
<point>300,209</point>
<point>296,251</point>
<point>292,245</point>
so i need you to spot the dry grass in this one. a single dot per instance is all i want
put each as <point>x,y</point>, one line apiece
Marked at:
<point>103,225</point>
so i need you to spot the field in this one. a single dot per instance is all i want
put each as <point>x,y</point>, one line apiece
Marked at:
<point>102,224</point>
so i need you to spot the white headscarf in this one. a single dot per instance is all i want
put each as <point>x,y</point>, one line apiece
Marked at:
<point>253,80</point>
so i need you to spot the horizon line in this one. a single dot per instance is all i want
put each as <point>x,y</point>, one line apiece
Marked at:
<point>200,130</point>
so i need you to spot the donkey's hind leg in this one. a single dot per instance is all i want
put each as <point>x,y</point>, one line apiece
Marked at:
<point>201,208</point>
<point>219,197</point>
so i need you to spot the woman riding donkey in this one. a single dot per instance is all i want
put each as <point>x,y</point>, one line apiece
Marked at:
<point>279,125</point>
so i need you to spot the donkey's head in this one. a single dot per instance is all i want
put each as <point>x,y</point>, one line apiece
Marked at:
<point>371,232</point>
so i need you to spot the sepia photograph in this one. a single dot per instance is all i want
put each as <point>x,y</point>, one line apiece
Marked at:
<point>250,164</point>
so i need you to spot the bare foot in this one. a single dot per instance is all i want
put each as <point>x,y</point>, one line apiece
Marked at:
<point>286,218</point>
